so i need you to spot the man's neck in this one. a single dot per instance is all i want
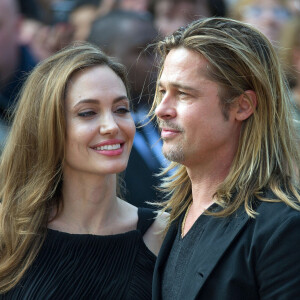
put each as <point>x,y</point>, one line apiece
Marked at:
<point>203,190</point>
<point>204,187</point>
<point>205,179</point>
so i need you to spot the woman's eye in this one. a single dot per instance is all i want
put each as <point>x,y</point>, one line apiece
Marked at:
<point>88,113</point>
<point>162,92</point>
<point>122,110</point>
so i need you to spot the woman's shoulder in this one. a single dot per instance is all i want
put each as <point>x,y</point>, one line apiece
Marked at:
<point>154,236</point>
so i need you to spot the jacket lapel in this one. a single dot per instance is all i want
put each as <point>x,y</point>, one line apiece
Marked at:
<point>161,259</point>
<point>218,235</point>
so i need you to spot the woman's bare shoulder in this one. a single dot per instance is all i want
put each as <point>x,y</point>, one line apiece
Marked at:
<point>154,236</point>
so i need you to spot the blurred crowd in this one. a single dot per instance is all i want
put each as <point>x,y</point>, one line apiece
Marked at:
<point>32,30</point>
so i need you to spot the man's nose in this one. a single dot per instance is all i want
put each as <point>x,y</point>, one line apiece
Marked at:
<point>166,109</point>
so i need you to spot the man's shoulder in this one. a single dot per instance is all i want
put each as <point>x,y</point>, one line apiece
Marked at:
<point>276,208</point>
<point>273,219</point>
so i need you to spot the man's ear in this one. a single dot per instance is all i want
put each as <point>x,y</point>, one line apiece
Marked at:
<point>246,105</point>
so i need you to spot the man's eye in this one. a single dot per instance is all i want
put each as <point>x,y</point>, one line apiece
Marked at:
<point>88,113</point>
<point>182,93</point>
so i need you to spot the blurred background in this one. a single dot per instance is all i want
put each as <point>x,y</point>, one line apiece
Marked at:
<point>32,30</point>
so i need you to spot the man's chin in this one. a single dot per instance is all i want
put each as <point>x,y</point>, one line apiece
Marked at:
<point>175,155</point>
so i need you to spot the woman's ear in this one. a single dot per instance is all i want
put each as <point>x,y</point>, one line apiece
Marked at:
<point>246,105</point>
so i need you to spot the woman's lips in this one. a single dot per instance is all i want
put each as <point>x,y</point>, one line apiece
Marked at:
<point>110,147</point>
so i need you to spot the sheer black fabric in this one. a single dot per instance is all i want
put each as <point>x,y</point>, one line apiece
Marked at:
<point>84,266</point>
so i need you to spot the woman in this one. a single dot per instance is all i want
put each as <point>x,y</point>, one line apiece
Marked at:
<point>64,232</point>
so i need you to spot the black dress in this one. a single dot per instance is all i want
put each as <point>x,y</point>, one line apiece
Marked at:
<point>85,266</point>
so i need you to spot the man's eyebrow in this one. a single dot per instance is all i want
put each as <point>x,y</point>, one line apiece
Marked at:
<point>179,86</point>
<point>96,101</point>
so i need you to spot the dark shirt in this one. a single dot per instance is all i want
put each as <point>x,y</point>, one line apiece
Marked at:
<point>85,266</point>
<point>181,252</point>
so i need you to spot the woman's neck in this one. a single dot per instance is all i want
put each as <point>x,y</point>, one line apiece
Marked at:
<point>89,204</point>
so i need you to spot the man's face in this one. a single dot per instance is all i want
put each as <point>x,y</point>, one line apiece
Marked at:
<point>193,127</point>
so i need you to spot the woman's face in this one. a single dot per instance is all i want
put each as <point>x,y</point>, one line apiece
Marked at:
<point>99,126</point>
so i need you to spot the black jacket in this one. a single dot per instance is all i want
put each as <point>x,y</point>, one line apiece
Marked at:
<point>241,258</point>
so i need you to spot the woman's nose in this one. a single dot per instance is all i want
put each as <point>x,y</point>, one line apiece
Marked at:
<point>108,124</point>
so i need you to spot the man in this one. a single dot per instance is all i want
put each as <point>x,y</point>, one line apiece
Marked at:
<point>224,112</point>
<point>124,35</point>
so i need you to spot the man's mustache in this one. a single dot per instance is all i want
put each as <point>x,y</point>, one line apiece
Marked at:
<point>169,125</point>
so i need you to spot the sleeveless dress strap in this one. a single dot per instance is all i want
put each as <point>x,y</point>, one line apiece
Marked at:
<point>146,218</point>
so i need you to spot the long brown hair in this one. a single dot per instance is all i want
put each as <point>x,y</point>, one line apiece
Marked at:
<point>31,163</point>
<point>241,58</point>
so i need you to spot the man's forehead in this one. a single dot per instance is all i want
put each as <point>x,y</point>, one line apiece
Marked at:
<point>183,64</point>
<point>186,59</point>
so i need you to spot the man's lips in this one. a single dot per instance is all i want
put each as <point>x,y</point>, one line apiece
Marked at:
<point>169,132</point>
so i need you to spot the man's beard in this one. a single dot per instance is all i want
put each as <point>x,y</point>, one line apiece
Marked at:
<point>175,153</point>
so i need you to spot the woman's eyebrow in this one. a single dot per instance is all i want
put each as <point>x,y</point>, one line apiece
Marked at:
<point>95,101</point>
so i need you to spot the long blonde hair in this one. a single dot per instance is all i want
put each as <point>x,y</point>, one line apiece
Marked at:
<point>31,163</point>
<point>241,58</point>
